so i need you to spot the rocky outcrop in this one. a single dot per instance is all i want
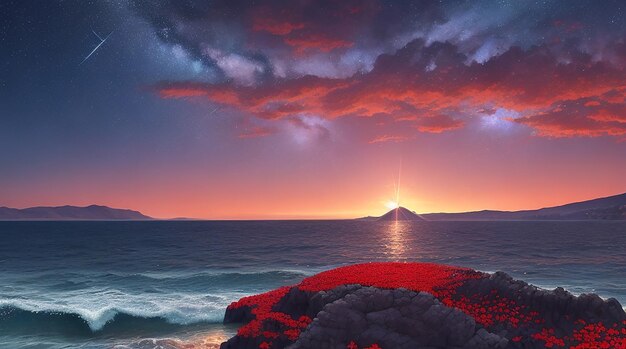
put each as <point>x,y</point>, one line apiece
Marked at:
<point>398,318</point>
<point>413,305</point>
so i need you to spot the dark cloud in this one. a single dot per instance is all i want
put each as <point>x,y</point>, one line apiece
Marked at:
<point>423,63</point>
<point>286,39</point>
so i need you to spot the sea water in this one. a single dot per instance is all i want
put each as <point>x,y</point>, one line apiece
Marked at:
<point>166,284</point>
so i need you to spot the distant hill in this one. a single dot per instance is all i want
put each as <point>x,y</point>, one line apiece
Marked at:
<point>400,214</point>
<point>608,208</point>
<point>93,212</point>
<point>397,214</point>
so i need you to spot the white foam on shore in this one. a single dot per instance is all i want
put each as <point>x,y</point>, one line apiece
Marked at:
<point>210,339</point>
<point>100,307</point>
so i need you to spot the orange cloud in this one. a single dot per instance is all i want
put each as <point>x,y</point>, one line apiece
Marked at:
<point>388,138</point>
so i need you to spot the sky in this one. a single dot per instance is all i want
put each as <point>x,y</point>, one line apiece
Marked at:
<point>229,109</point>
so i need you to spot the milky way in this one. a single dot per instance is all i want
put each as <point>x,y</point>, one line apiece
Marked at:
<point>559,65</point>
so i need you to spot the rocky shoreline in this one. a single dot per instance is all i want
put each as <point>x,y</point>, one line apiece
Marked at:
<point>418,305</point>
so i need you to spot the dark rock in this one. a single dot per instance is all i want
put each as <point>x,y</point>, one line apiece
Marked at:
<point>392,319</point>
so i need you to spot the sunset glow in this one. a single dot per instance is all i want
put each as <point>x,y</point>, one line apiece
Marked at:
<point>285,111</point>
<point>391,205</point>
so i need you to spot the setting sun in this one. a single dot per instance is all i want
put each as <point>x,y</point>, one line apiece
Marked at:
<point>391,204</point>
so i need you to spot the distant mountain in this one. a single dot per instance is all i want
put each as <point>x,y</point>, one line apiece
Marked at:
<point>400,214</point>
<point>93,212</point>
<point>608,208</point>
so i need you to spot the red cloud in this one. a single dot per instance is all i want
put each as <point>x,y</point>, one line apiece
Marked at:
<point>311,27</point>
<point>568,26</point>
<point>583,117</point>
<point>322,43</point>
<point>275,27</point>
<point>558,95</point>
<point>256,131</point>
<point>183,92</point>
<point>439,124</point>
<point>275,21</point>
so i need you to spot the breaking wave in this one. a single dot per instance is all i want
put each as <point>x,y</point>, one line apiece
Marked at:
<point>130,302</point>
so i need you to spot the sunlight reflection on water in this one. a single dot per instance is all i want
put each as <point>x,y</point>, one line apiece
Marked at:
<point>397,243</point>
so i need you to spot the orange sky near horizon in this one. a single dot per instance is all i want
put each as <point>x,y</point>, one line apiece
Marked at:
<point>284,207</point>
<point>336,186</point>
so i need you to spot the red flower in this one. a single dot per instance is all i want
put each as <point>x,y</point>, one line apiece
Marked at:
<point>492,310</point>
<point>374,346</point>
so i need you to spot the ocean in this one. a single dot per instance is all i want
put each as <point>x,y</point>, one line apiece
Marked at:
<point>166,284</point>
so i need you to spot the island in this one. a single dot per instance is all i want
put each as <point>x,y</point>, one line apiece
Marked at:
<point>400,214</point>
<point>421,305</point>
<point>92,212</point>
<point>607,208</point>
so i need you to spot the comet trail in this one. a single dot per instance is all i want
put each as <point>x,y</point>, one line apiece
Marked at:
<point>97,47</point>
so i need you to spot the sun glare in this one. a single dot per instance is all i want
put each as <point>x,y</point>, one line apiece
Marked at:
<point>391,205</point>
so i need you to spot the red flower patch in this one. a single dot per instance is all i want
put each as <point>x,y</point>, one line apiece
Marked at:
<point>374,346</point>
<point>492,310</point>
<point>432,278</point>
<point>353,345</point>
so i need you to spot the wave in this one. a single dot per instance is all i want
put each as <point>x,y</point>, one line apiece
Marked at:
<point>206,279</point>
<point>16,320</point>
<point>151,282</point>
<point>88,303</point>
<point>220,273</point>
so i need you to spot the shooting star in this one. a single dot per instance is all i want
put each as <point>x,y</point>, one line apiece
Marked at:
<point>214,110</point>
<point>97,47</point>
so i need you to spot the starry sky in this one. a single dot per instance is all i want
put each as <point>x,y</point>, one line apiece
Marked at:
<point>232,109</point>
